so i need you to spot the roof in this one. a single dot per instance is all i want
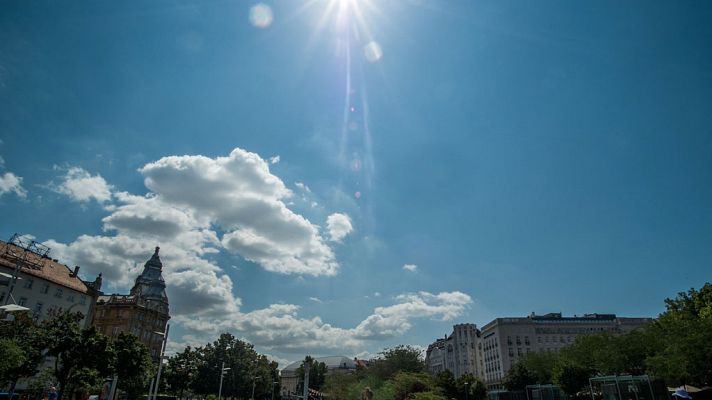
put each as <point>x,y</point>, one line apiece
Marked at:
<point>332,362</point>
<point>43,268</point>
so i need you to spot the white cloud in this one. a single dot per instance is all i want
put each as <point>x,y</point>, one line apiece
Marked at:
<point>10,182</point>
<point>339,226</point>
<point>315,299</point>
<point>80,185</point>
<point>274,159</point>
<point>191,199</point>
<point>240,195</point>
<point>410,267</point>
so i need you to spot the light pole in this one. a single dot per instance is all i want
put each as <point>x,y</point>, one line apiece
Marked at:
<point>254,381</point>
<point>466,390</point>
<point>223,370</point>
<point>273,385</point>
<point>160,360</point>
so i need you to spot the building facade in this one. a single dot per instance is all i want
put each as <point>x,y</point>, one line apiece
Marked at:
<point>44,285</point>
<point>460,352</point>
<point>289,380</point>
<point>143,312</point>
<point>505,340</point>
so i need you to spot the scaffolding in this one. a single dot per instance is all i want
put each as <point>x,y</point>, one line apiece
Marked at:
<point>24,252</point>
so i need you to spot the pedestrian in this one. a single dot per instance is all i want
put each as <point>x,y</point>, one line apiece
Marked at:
<point>52,393</point>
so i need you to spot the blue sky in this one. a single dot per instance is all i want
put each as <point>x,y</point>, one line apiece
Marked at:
<point>550,156</point>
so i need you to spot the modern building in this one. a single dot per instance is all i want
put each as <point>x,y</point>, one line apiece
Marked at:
<point>143,312</point>
<point>30,278</point>
<point>505,340</point>
<point>460,352</point>
<point>289,379</point>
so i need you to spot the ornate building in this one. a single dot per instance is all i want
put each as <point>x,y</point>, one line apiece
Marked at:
<point>143,312</point>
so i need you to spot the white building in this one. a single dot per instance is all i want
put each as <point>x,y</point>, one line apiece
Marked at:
<point>44,285</point>
<point>505,340</point>
<point>334,365</point>
<point>459,353</point>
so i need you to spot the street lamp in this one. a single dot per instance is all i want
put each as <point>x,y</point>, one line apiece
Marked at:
<point>254,381</point>
<point>160,361</point>
<point>466,390</point>
<point>223,370</point>
<point>273,385</point>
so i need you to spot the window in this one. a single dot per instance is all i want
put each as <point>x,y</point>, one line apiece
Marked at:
<point>45,288</point>
<point>70,297</point>
<point>58,293</point>
<point>22,301</point>
<point>28,283</point>
<point>2,296</point>
<point>82,300</point>
<point>38,309</point>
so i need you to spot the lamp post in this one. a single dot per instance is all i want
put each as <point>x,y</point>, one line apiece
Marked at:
<point>466,390</point>
<point>254,381</point>
<point>223,370</point>
<point>160,361</point>
<point>273,385</point>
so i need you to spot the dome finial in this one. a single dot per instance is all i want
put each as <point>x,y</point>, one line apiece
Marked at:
<point>157,249</point>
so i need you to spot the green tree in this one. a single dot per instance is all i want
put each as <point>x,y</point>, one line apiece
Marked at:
<point>540,365</point>
<point>133,364</point>
<point>12,357</point>
<point>31,340</point>
<point>471,385</point>
<point>445,381</point>
<point>408,383</point>
<point>682,336</point>
<point>317,374</point>
<point>571,378</point>
<point>82,355</point>
<point>402,358</point>
<point>518,377</point>
<point>181,370</point>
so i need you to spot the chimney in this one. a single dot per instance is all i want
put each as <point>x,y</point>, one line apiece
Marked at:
<point>76,271</point>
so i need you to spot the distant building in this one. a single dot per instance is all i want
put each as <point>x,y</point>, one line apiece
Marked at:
<point>505,340</point>
<point>143,312</point>
<point>334,365</point>
<point>459,353</point>
<point>44,285</point>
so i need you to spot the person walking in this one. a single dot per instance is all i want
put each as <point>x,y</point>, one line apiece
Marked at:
<point>52,393</point>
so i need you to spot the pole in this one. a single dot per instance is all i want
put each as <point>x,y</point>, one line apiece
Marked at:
<point>467,391</point>
<point>254,379</point>
<point>114,384</point>
<point>150,389</point>
<point>160,362</point>
<point>306,381</point>
<point>222,374</point>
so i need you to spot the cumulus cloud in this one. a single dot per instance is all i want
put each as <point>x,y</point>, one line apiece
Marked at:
<point>274,159</point>
<point>10,182</point>
<point>190,200</point>
<point>279,327</point>
<point>339,226</point>
<point>80,185</point>
<point>239,194</point>
<point>410,267</point>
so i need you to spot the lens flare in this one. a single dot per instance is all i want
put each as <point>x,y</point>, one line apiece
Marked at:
<point>261,15</point>
<point>373,52</point>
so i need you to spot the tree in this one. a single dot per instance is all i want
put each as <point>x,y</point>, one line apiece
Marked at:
<point>181,370</point>
<point>402,358</point>
<point>682,337</point>
<point>540,365</point>
<point>445,381</point>
<point>408,383</point>
<point>11,355</point>
<point>82,355</point>
<point>317,374</point>
<point>518,377</point>
<point>30,339</point>
<point>133,364</point>
<point>474,388</point>
<point>571,378</point>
